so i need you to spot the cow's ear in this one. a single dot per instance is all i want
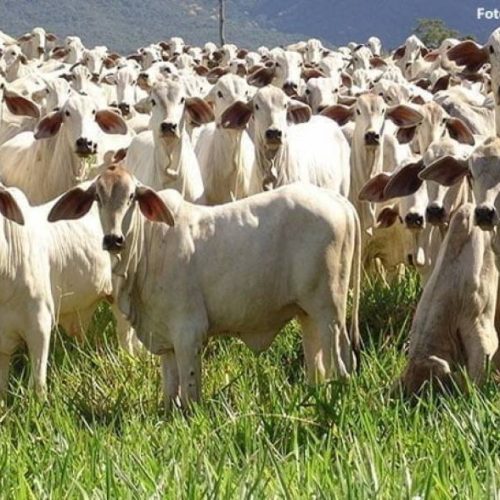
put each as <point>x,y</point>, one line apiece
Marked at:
<point>237,115</point>
<point>346,79</point>
<point>406,135</point>
<point>441,84</point>
<point>373,190</point>
<point>446,171</point>
<point>9,207</point>
<point>404,116</point>
<point>25,38</point>
<point>387,217</point>
<point>262,77</point>
<point>308,73</point>
<point>111,122</point>
<point>340,113</point>
<point>468,54</point>
<point>377,62</point>
<point>152,206</point>
<point>399,53</point>
<point>215,73</point>
<point>21,106</point>
<point>199,110</point>
<point>73,205</point>
<point>51,37</point>
<point>405,181</point>
<point>298,112</point>
<point>459,131</point>
<point>49,125</point>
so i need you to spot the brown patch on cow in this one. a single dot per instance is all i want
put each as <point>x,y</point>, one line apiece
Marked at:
<point>387,217</point>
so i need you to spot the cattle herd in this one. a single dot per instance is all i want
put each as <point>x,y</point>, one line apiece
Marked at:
<point>208,191</point>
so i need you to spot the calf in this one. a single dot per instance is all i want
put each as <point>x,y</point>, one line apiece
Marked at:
<point>453,326</point>
<point>216,286</point>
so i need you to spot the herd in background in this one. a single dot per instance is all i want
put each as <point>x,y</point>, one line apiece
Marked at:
<point>235,190</point>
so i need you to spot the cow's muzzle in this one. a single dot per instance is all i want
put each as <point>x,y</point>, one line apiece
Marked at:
<point>414,221</point>
<point>85,147</point>
<point>435,215</point>
<point>113,243</point>
<point>485,217</point>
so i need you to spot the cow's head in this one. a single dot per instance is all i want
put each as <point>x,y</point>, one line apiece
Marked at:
<point>483,168</point>
<point>117,193</point>
<point>272,111</point>
<point>369,114</point>
<point>227,90</point>
<point>169,104</point>
<point>82,122</point>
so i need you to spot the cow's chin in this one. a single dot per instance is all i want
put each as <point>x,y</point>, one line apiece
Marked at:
<point>113,250</point>
<point>169,138</point>
<point>485,226</point>
<point>85,154</point>
<point>273,145</point>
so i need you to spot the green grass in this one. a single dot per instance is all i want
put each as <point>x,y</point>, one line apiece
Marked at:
<point>261,431</point>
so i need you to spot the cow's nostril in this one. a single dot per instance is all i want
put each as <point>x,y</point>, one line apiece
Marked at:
<point>372,138</point>
<point>82,141</point>
<point>414,221</point>
<point>273,134</point>
<point>167,127</point>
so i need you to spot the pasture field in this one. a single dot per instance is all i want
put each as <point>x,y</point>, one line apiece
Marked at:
<point>260,433</point>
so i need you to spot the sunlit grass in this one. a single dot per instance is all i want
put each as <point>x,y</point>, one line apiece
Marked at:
<point>261,431</point>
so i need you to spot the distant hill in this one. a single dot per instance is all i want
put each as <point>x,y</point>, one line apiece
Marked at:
<point>124,25</point>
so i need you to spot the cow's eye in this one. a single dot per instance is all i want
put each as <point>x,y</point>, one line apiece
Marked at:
<point>492,50</point>
<point>131,197</point>
<point>444,121</point>
<point>335,91</point>
<point>358,112</point>
<point>183,100</point>
<point>153,102</point>
<point>277,65</point>
<point>219,94</point>
<point>67,113</point>
<point>257,107</point>
<point>93,111</point>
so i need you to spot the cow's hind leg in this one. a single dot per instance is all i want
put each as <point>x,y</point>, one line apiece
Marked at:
<point>322,347</point>
<point>4,375</point>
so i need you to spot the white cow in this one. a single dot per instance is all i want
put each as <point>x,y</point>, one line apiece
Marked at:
<point>56,156</point>
<point>51,274</point>
<point>197,284</point>
<point>473,56</point>
<point>164,156</point>
<point>227,156</point>
<point>311,150</point>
